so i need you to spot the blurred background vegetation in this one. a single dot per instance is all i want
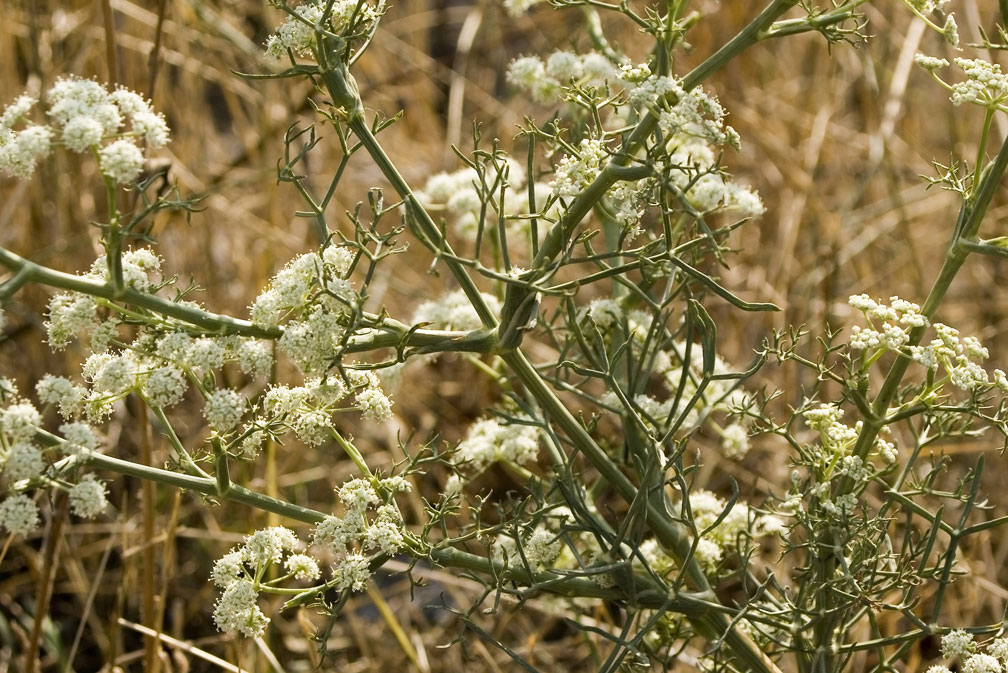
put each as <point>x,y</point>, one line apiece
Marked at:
<point>835,140</point>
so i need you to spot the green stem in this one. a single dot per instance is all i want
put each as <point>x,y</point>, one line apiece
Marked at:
<point>390,334</point>
<point>183,456</point>
<point>353,454</point>
<point>213,323</point>
<point>343,89</point>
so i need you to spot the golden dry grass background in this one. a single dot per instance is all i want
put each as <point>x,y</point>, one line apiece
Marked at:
<point>833,139</point>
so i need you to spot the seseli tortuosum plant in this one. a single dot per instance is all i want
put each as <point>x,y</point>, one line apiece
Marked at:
<point>584,265</point>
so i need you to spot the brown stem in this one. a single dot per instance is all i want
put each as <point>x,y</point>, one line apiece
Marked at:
<point>46,577</point>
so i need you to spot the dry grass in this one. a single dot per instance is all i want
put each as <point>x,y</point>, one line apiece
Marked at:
<point>833,142</point>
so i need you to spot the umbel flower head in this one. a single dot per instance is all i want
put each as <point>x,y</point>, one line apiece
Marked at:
<point>85,117</point>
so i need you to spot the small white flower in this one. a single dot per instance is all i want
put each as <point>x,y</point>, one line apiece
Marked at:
<point>80,436</point>
<point>20,421</point>
<point>206,354</point>
<point>339,257</point>
<point>228,569</point>
<point>164,386</point>
<point>20,151</point>
<point>957,643</point>
<point>352,572</point>
<point>268,545</point>
<point>396,484</point>
<point>735,441</point>
<point>24,461</point>
<point>357,495</point>
<point>70,314</point>
<point>605,313</point>
<point>87,497</point>
<point>374,404</point>
<point>223,409</point>
<point>19,515</point>
<point>930,63</point>
<point>255,357</point>
<point>302,566</point>
<point>238,611</point>
<point>60,391</point>
<point>121,160</point>
<point>708,553</point>
<point>999,649</point>
<point>312,427</point>
<point>541,548</point>
<point>336,534</point>
<point>16,110</point>
<point>384,535</point>
<point>82,133</point>
<point>575,173</point>
<point>981,663</point>
<point>563,66</point>
<point>950,31</point>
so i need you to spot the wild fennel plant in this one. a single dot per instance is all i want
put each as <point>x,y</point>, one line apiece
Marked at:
<point>598,242</point>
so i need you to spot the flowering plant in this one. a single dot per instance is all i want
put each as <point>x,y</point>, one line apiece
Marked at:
<point>584,284</point>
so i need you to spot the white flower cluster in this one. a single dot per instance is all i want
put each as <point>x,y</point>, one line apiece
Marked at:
<point>86,117</point>
<point>837,438</point>
<point>540,548</point>
<point>490,440</point>
<point>308,410</point>
<point>312,295</point>
<point>20,150</point>
<point>960,644</point>
<point>930,63</point>
<point>547,81</point>
<point>19,515</point>
<point>576,172</point>
<point>223,409</point>
<point>691,166</point>
<point>371,524</point>
<point>959,357</point>
<point>692,120</point>
<point>831,459</point>
<point>715,542</point>
<point>23,460</point>
<point>985,85</point>
<point>240,572</point>
<point>458,195</point>
<point>297,33</point>
<point>88,497</point>
<point>155,365</point>
<point>76,315</point>
<point>453,311</point>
